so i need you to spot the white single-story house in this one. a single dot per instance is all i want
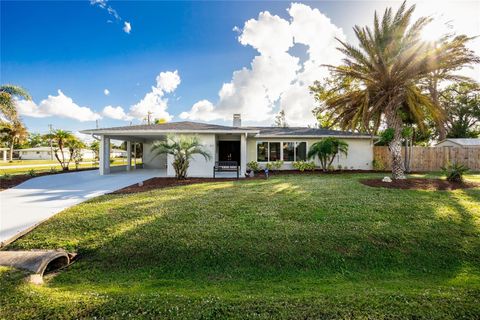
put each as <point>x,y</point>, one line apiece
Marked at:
<point>118,153</point>
<point>232,143</point>
<point>45,153</point>
<point>454,142</point>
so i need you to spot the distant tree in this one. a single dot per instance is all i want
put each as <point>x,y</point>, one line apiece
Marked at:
<point>13,133</point>
<point>8,109</point>
<point>462,101</point>
<point>95,147</point>
<point>382,77</point>
<point>75,147</point>
<point>35,140</point>
<point>61,140</point>
<point>182,149</point>
<point>280,120</point>
<point>326,150</point>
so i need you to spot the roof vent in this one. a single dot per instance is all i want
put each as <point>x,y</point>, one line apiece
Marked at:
<point>237,120</point>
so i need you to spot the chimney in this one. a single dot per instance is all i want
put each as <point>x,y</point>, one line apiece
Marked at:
<point>237,120</point>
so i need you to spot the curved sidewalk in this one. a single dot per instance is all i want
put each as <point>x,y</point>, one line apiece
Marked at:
<point>28,204</point>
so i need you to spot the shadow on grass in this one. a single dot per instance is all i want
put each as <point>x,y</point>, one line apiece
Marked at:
<point>284,238</point>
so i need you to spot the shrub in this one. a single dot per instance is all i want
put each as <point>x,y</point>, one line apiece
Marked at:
<point>378,165</point>
<point>32,173</point>
<point>454,172</point>
<point>6,176</point>
<point>53,170</point>
<point>303,165</point>
<point>253,165</point>
<point>276,165</point>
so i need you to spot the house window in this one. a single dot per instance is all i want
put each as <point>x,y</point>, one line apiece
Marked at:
<point>262,151</point>
<point>274,151</point>
<point>301,151</point>
<point>288,151</point>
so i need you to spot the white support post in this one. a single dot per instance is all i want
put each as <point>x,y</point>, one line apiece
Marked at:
<point>134,155</point>
<point>4,155</point>
<point>243,154</point>
<point>129,155</point>
<point>104,154</point>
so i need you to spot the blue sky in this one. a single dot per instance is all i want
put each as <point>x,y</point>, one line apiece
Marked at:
<point>79,48</point>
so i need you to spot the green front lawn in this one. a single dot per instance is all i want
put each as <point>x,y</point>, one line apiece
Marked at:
<point>295,246</point>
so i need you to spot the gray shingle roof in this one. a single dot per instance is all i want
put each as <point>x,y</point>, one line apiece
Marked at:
<point>464,142</point>
<point>303,131</point>
<point>181,125</point>
<point>206,127</point>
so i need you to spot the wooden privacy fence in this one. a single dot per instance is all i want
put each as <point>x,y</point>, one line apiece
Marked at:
<point>431,158</point>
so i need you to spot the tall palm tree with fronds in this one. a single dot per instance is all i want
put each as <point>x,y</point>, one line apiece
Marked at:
<point>13,133</point>
<point>7,102</point>
<point>380,79</point>
<point>61,139</point>
<point>182,149</point>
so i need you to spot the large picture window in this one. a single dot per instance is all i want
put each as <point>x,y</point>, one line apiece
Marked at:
<point>262,151</point>
<point>301,151</point>
<point>274,151</point>
<point>287,151</point>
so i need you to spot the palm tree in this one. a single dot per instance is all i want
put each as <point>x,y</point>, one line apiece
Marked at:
<point>326,150</point>
<point>75,147</point>
<point>7,101</point>
<point>13,133</point>
<point>379,81</point>
<point>182,149</point>
<point>61,139</point>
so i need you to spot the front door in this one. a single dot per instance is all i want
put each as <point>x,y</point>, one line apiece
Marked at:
<point>229,151</point>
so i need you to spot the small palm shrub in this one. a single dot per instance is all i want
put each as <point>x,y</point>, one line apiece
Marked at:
<point>304,165</point>
<point>182,148</point>
<point>253,165</point>
<point>32,173</point>
<point>455,171</point>
<point>53,170</point>
<point>326,150</point>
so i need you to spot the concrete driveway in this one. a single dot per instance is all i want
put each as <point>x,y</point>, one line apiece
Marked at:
<point>28,204</point>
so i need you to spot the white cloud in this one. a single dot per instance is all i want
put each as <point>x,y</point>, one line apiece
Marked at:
<point>103,4</point>
<point>201,110</point>
<point>116,113</point>
<point>168,81</point>
<point>60,106</point>
<point>127,27</point>
<point>154,102</point>
<point>106,92</point>
<point>276,79</point>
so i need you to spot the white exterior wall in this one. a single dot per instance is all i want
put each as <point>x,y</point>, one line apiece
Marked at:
<point>150,161</point>
<point>45,155</point>
<point>360,152</point>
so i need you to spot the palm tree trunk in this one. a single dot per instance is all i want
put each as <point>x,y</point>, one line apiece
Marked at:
<point>395,146</point>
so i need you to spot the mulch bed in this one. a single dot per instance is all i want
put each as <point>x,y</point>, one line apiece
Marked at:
<point>160,183</point>
<point>419,184</point>
<point>16,179</point>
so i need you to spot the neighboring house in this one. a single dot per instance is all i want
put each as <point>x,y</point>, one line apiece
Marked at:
<point>118,153</point>
<point>235,143</point>
<point>45,153</point>
<point>467,142</point>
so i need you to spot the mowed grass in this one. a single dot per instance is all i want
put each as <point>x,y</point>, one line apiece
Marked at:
<point>291,247</point>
